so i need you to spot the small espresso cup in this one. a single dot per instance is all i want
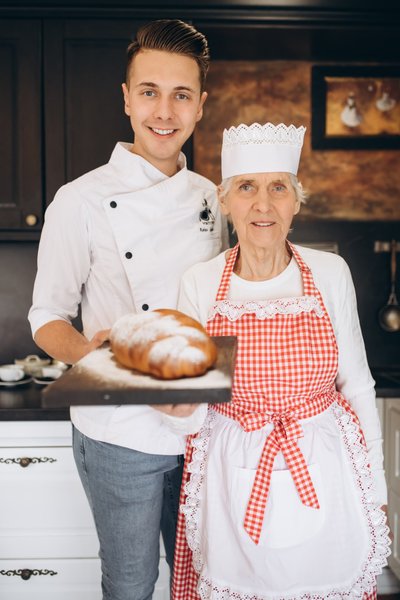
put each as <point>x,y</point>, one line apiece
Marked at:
<point>11,372</point>
<point>52,371</point>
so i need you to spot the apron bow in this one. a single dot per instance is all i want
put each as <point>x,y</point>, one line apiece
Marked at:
<point>287,430</point>
<point>287,427</point>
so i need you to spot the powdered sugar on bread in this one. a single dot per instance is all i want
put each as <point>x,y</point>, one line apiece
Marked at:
<point>175,348</point>
<point>126,326</point>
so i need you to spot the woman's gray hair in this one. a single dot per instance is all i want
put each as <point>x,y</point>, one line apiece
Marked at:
<point>301,193</point>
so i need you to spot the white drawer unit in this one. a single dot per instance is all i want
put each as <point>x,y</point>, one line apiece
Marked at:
<point>48,543</point>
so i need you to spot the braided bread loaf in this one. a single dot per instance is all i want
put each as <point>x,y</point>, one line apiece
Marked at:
<point>165,343</point>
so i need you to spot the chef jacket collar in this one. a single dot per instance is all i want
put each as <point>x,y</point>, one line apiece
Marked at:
<point>139,173</point>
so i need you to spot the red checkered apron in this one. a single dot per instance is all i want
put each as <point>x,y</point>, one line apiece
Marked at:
<point>285,371</point>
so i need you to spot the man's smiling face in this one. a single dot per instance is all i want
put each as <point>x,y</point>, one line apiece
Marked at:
<point>164,102</point>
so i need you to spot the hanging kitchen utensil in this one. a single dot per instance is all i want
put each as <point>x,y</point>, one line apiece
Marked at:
<point>389,315</point>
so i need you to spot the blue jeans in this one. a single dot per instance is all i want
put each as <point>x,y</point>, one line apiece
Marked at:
<point>133,496</point>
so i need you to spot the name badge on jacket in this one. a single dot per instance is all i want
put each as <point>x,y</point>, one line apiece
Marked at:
<point>206,218</point>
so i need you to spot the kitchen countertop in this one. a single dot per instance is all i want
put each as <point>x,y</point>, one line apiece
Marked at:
<point>24,403</point>
<point>387,382</point>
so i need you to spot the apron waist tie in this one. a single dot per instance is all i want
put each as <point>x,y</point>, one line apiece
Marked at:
<point>287,430</point>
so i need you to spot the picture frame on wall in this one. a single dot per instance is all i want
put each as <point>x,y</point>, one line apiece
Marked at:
<point>355,107</point>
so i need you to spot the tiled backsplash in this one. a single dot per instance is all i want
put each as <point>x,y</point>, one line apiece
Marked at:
<point>17,274</point>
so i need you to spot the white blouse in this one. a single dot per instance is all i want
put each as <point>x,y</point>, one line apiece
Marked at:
<point>332,277</point>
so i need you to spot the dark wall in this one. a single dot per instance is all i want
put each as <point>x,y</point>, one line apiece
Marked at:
<point>17,273</point>
<point>371,276</point>
<point>355,241</point>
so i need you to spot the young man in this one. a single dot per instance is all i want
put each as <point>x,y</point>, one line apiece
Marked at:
<point>117,240</point>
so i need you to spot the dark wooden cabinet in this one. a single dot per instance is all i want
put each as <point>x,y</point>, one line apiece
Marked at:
<point>61,110</point>
<point>21,162</point>
<point>84,67</point>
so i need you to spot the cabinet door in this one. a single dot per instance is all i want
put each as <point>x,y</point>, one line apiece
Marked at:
<point>84,63</point>
<point>392,467</point>
<point>20,127</point>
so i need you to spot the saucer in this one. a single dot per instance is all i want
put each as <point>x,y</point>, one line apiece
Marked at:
<point>44,380</point>
<point>26,379</point>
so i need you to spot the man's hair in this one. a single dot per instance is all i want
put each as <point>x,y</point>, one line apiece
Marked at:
<point>171,35</point>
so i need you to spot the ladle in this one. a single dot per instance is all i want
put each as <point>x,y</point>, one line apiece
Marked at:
<point>389,315</point>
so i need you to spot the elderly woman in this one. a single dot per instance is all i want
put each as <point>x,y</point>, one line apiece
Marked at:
<point>284,486</point>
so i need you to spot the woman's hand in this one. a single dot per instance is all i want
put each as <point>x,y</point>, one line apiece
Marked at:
<point>384,509</point>
<point>183,419</point>
<point>176,410</point>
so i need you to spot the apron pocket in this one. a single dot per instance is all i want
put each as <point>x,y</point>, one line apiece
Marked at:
<point>287,522</point>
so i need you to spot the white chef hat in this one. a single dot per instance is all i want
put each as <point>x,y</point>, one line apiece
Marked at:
<point>261,149</point>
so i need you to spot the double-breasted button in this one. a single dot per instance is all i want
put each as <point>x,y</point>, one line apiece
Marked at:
<point>113,204</point>
<point>145,307</point>
<point>128,254</point>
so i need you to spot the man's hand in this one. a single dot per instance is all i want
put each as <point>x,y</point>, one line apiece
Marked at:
<point>98,339</point>
<point>62,341</point>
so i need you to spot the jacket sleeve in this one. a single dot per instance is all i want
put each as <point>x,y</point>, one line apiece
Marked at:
<point>63,261</point>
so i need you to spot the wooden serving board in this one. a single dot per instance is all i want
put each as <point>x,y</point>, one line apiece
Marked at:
<point>97,379</point>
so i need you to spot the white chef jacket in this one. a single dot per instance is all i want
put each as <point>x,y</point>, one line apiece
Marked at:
<point>117,240</point>
<point>332,277</point>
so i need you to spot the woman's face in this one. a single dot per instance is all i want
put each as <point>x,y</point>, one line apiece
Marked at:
<point>261,207</point>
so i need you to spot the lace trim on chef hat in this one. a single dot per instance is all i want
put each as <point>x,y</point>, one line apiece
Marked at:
<point>261,149</point>
<point>264,134</point>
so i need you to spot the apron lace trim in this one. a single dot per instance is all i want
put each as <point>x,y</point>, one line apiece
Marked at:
<point>378,530</point>
<point>266,309</point>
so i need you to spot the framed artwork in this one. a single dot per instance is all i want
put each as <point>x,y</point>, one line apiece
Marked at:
<point>355,107</point>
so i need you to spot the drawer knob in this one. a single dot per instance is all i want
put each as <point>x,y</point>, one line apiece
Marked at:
<point>25,461</point>
<point>26,574</point>
<point>31,220</point>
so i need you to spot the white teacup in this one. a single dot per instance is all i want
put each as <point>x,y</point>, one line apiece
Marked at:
<point>32,363</point>
<point>52,371</point>
<point>11,372</point>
